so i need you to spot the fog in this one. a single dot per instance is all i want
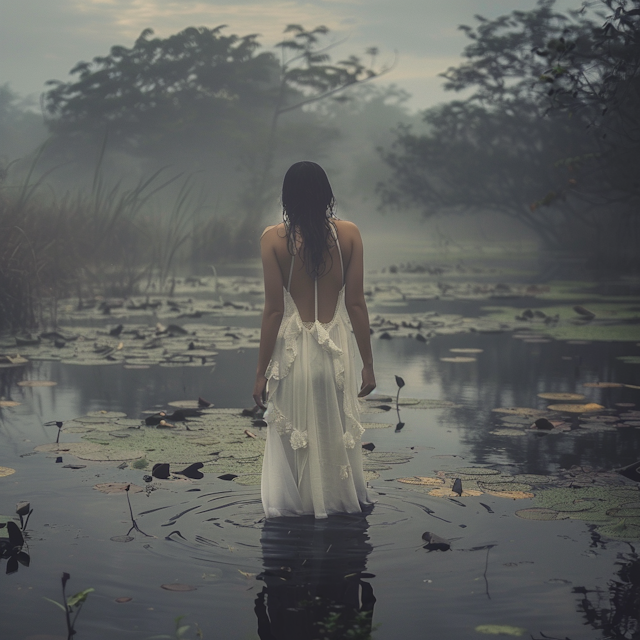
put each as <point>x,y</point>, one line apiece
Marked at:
<point>444,142</point>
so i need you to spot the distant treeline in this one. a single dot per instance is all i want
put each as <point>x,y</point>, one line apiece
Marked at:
<point>171,152</point>
<point>550,135</point>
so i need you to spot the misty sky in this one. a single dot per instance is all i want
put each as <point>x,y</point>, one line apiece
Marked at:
<point>43,39</point>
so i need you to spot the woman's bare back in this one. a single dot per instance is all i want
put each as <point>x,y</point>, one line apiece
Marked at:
<point>302,284</point>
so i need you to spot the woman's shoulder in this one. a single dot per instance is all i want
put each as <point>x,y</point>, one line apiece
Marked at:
<point>347,230</point>
<point>272,231</point>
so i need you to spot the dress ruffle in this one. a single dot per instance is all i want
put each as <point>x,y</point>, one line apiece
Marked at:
<point>314,458</point>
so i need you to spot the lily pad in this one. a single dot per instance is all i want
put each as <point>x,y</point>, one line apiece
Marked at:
<point>576,408</point>
<point>620,531</point>
<point>117,487</point>
<point>423,481</point>
<point>496,487</point>
<point>602,385</point>
<point>106,414</point>
<point>177,587</point>
<point>122,539</point>
<point>500,630</point>
<point>477,471</point>
<point>561,396</point>
<point>446,492</point>
<point>537,513</point>
<point>519,411</point>
<point>508,432</point>
<point>513,495</point>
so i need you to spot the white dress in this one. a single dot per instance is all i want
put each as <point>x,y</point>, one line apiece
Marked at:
<point>313,458</point>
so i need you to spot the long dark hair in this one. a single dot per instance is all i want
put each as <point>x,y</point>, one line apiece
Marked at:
<point>308,210</point>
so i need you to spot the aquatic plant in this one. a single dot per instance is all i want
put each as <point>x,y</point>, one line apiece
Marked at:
<point>71,605</point>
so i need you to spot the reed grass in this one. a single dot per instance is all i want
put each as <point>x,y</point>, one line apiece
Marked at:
<point>111,240</point>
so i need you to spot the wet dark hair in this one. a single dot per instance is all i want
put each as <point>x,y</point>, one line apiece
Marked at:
<point>308,210</point>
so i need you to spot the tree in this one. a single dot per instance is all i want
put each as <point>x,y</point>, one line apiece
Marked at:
<point>504,148</point>
<point>598,79</point>
<point>208,101</point>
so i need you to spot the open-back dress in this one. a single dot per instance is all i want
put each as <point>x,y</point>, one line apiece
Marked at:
<point>313,458</point>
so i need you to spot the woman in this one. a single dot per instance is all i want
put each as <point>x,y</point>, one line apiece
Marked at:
<point>313,275</point>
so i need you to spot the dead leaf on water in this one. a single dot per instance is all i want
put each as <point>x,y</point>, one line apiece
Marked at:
<point>470,350</point>
<point>6,471</point>
<point>458,359</point>
<point>9,403</point>
<point>37,383</point>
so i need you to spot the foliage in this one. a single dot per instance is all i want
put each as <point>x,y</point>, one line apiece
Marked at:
<point>504,149</point>
<point>598,79</point>
<point>71,605</point>
<point>200,98</point>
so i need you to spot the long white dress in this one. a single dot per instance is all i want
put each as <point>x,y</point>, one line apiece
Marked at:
<point>313,458</point>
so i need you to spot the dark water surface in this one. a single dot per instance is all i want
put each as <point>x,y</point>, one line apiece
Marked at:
<point>279,579</point>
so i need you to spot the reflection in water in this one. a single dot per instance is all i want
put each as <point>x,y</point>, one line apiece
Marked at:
<point>313,577</point>
<point>616,613</point>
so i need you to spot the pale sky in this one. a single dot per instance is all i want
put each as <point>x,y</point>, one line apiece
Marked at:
<point>42,40</point>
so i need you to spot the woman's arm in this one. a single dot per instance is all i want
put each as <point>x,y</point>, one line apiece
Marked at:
<point>357,309</point>
<point>273,310</point>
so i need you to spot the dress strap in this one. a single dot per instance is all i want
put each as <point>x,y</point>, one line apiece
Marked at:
<point>315,284</point>
<point>335,237</point>
<point>293,259</point>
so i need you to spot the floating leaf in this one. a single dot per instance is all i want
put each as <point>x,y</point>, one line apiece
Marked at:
<point>375,425</point>
<point>422,480</point>
<point>123,599</point>
<point>470,350</point>
<point>575,408</point>
<point>444,492</point>
<point>9,403</point>
<point>509,487</point>
<point>561,396</point>
<point>620,531</point>
<point>500,630</point>
<point>537,513</point>
<point>477,471</point>
<point>6,471</point>
<point>117,487</point>
<point>121,539</point>
<point>177,587</point>
<point>602,385</point>
<point>519,411</point>
<point>513,495</point>
<point>458,359</point>
<point>508,432</point>
<point>37,383</point>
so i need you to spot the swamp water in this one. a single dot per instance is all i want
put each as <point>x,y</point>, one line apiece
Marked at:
<point>542,540</point>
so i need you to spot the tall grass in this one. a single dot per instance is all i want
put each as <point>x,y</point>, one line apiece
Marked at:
<point>109,240</point>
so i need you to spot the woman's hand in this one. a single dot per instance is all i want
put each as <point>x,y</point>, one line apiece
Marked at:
<point>368,381</point>
<point>260,391</point>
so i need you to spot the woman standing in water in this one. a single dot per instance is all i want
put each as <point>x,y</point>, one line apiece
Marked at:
<point>313,278</point>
